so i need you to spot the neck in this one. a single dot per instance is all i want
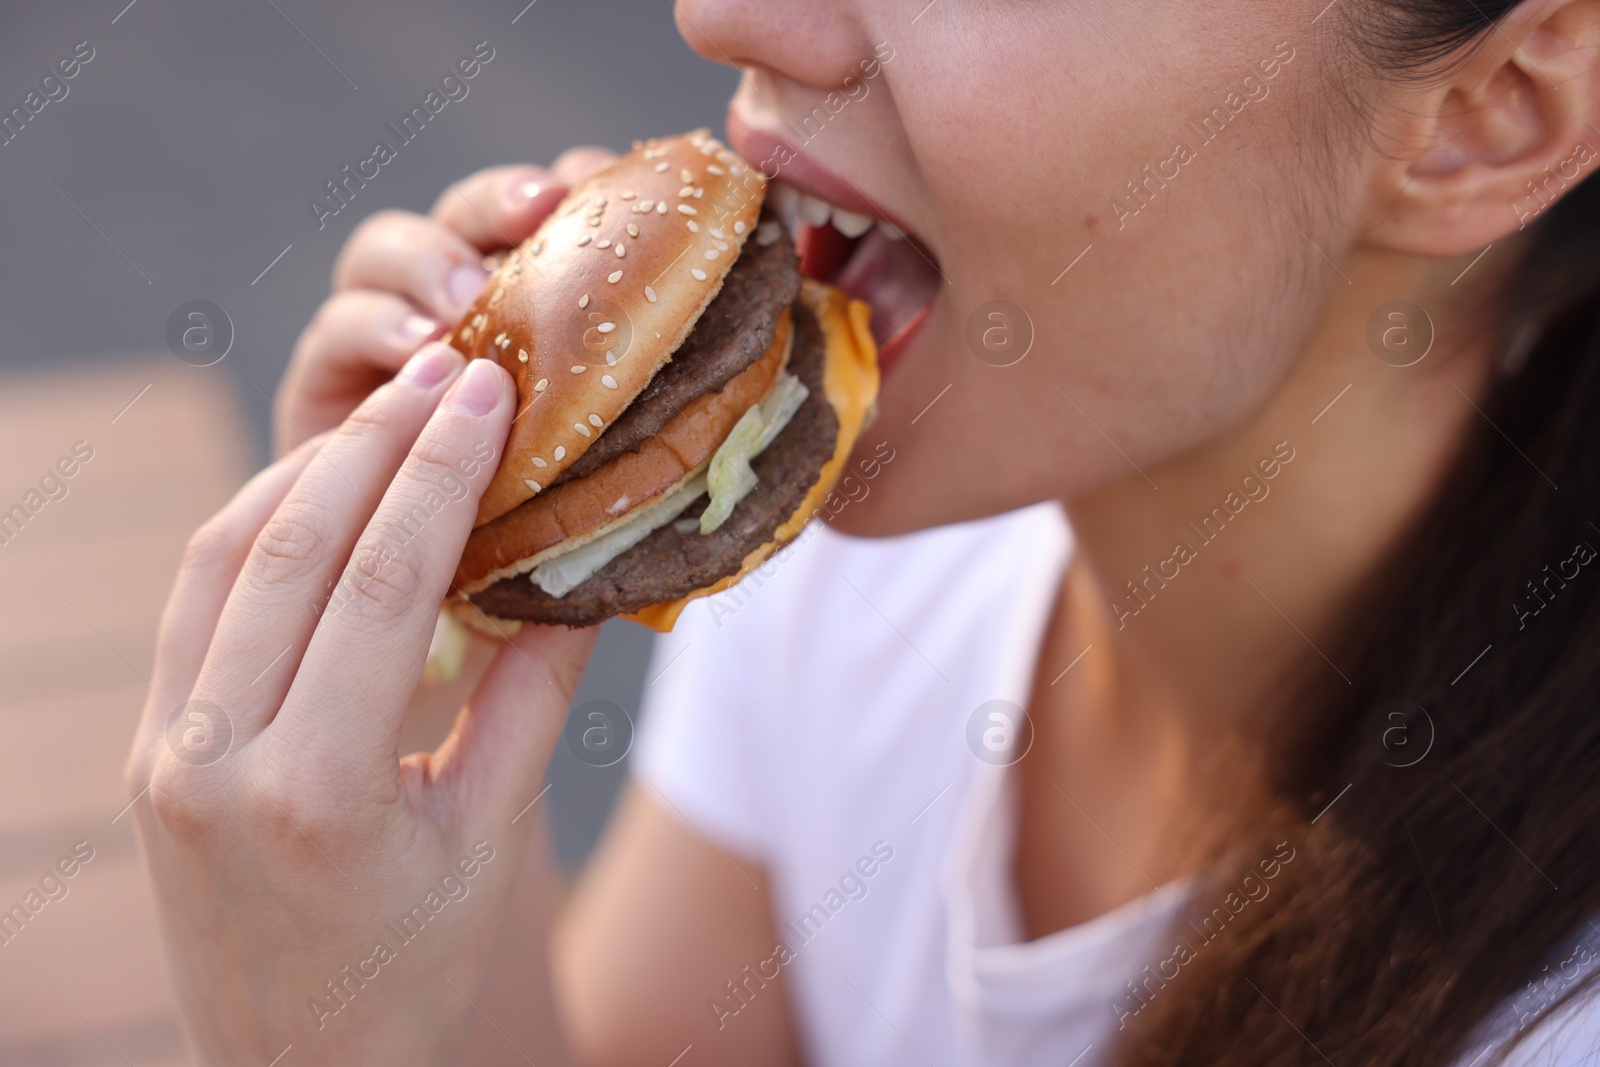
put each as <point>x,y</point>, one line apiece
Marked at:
<point>1201,593</point>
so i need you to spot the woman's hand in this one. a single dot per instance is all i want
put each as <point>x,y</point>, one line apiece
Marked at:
<point>314,888</point>
<point>402,280</point>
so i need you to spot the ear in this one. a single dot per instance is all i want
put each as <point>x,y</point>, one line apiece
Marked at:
<point>1487,150</point>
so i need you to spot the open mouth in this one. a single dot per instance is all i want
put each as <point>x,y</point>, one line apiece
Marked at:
<point>869,258</point>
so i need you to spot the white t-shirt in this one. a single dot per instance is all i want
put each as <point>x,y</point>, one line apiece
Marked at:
<point>824,718</point>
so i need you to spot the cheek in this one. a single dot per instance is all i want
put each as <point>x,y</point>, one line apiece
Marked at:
<point>1149,358</point>
<point>1150,336</point>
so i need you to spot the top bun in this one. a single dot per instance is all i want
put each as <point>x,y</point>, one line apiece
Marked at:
<point>584,312</point>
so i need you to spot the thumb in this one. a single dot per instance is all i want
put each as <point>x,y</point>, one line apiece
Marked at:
<point>494,761</point>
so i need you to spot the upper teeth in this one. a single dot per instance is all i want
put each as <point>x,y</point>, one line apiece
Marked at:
<point>794,207</point>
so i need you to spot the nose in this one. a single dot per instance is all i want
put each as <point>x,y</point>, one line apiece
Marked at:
<point>814,42</point>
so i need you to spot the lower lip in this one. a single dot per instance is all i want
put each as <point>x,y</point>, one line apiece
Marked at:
<point>893,350</point>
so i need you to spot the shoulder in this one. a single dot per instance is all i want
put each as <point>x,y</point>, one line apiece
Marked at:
<point>827,656</point>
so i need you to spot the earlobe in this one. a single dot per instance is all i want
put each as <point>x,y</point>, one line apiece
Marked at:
<point>1488,149</point>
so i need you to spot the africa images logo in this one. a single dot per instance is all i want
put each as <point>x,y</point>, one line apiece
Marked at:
<point>453,88</point>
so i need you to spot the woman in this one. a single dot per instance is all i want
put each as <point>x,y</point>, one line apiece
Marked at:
<point>1307,768</point>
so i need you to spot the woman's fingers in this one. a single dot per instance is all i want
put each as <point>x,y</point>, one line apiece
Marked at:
<point>357,341</point>
<point>344,709</point>
<point>210,565</point>
<point>288,581</point>
<point>577,164</point>
<point>498,207</point>
<point>495,759</point>
<point>419,259</point>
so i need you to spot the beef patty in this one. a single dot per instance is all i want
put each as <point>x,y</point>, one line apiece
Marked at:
<point>734,332</point>
<point>669,564</point>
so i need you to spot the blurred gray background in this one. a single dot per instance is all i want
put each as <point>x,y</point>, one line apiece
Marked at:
<point>179,165</point>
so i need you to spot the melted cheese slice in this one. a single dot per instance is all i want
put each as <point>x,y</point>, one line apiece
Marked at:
<point>850,380</point>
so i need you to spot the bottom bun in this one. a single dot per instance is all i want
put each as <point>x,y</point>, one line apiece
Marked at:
<point>650,583</point>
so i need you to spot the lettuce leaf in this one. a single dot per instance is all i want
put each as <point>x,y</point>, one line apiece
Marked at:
<point>729,475</point>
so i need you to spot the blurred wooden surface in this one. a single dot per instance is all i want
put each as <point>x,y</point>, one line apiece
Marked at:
<point>81,585</point>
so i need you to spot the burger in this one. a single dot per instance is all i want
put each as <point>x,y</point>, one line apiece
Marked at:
<point>685,399</point>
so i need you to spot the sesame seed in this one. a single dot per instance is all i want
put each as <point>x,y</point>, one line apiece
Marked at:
<point>607,327</point>
<point>531,484</point>
<point>540,385</point>
<point>719,234</point>
<point>686,209</point>
<point>596,421</point>
<point>583,301</point>
<point>686,175</point>
<point>614,277</point>
<point>661,208</point>
<point>633,230</point>
<point>628,196</point>
<point>611,358</point>
<point>621,251</point>
<point>602,244</point>
<point>594,220</point>
<point>501,340</point>
<point>714,169</point>
<point>646,205</point>
<point>560,453</point>
<point>578,368</point>
<point>479,321</point>
<point>650,294</point>
<point>537,462</point>
<point>699,194</point>
<point>466,334</point>
<point>608,381</point>
<point>722,246</point>
<point>663,167</point>
<point>739,226</point>
<point>699,275</point>
<point>522,355</point>
<point>585,239</point>
<point>581,428</point>
<point>712,253</point>
<point>694,227</point>
<point>687,190</point>
<point>538,246</point>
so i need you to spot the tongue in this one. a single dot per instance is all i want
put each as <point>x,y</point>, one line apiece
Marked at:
<point>893,277</point>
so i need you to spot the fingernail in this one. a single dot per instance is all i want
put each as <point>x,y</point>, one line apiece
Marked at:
<point>415,328</point>
<point>429,367</point>
<point>477,391</point>
<point>464,284</point>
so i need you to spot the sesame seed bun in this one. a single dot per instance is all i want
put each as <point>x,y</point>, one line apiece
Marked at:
<point>833,355</point>
<point>588,309</point>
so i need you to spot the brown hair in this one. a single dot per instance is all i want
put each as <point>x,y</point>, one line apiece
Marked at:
<point>1434,891</point>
